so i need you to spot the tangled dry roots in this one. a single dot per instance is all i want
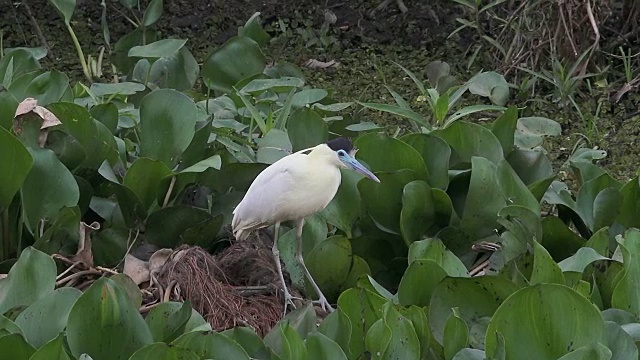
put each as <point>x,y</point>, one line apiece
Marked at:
<point>217,287</point>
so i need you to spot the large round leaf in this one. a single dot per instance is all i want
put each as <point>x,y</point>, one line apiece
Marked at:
<point>104,324</point>
<point>484,199</point>
<point>468,140</point>
<point>306,129</point>
<point>345,208</point>
<point>48,87</point>
<point>16,161</point>
<point>239,58</point>
<point>143,178</point>
<point>30,279</point>
<point>321,347</point>
<point>475,298</point>
<point>167,125</point>
<point>418,211</point>
<point>170,320</point>
<point>435,152</point>
<point>46,318</point>
<point>419,282</point>
<point>384,153</point>
<point>552,320</point>
<point>329,264</point>
<point>363,308</point>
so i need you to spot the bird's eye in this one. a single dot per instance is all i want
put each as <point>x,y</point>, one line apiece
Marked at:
<point>341,153</point>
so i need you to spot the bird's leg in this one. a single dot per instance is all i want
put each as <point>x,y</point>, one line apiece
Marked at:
<point>322,300</point>
<point>288,299</point>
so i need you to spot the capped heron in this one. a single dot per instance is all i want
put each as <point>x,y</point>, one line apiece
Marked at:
<point>292,188</point>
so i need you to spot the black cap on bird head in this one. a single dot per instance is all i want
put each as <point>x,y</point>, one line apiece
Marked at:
<point>341,143</point>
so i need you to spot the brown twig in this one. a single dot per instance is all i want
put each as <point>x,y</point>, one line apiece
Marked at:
<point>39,33</point>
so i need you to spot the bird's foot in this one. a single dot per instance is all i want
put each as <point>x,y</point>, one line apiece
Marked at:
<point>324,304</point>
<point>288,301</point>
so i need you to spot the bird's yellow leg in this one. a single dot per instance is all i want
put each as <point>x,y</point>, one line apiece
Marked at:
<point>322,300</point>
<point>288,299</point>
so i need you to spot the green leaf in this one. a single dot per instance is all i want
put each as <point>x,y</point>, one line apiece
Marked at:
<point>337,327</point>
<point>168,320</point>
<point>308,96</point>
<point>48,187</point>
<point>103,323</point>
<point>284,84</point>
<point>595,351</point>
<point>48,87</point>
<point>434,249</point>
<point>476,298</point>
<point>14,347</point>
<point>483,201</point>
<point>531,131</point>
<point>598,201</point>
<point>344,209</point>
<point>143,178</point>
<point>329,264</point>
<point>545,270</point>
<point>53,350</point>
<point>162,351</point>
<point>626,294</point>
<point>30,279</point>
<point>159,48</point>
<point>107,114</point>
<point>419,281</point>
<point>384,153</point>
<point>238,58</point>
<point>378,338</point>
<point>492,85</point>
<point>363,308</point>
<point>404,342</point>
<point>43,320</point>
<point>472,109</point>
<point>121,88</point>
<point>470,354</point>
<point>167,121</point>
<point>14,64</point>
<point>468,140</point>
<point>441,108</point>
<point>574,320</point>
<point>383,201</point>
<point>580,260</point>
<point>65,8</point>
<point>153,12</point>
<point>211,345</point>
<point>456,335</point>
<point>435,152</point>
<point>213,162</point>
<point>396,110</point>
<point>418,211</point>
<point>175,70</point>
<point>320,347</point>
<point>16,161</point>
<point>514,190</point>
<point>286,342</point>
<point>167,226</point>
<point>531,165</point>
<point>620,343</point>
<point>306,129</point>
<point>253,30</point>
<point>504,128</point>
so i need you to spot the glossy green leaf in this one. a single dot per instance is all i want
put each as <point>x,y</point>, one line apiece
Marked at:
<point>167,120</point>
<point>65,8</point>
<point>595,351</point>
<point>283,84</point>
<point>419,281</point>
<point>306,129</point>
<point>492,85</point>
<point>308,96</point>
<point>383,201</point>
<point>17,162</point>
<point>504,128</point>
<point>363,308</point>
<point>48,87</point>
<point>303,320</point>
<point>159,48</point>
<point>434,249</point>
<point>250,342</point>
<point>53,350</point>
<point>143,178</point>
<point>626,294</point>
<point>166,322</point>
<point>484,199</point>
<point>435,152</point>
<point>107,114</point>
<point>344,209</point>
<point>418,211</point>
<point>629,215</point>
<point>559,239</point>
<point>152,13</point>
<point>470,354</point>
<point>378,339</point>
<point>31,278</point>
<point>545,270</point>
<point>121,88</point>
<point>384,153</point>
<point>211,345</point>
<point>456,335</point>
<point>238,58</point>
<point>580,260</point>
<point>162,351</point>
<point>531,131</point>
<point>531,165</point>
<point>598,201</point>
<point>105,325</point>
<point>286,342</point>
<point>396,110</point>
<point>15,347</point>
<point>620,343</point>
<point>20,61</point>
<point>253,30</point>
<point>43,320</point>
<point>174,70</point>
<point>468,140</point>
<point>337,327</point>
<point>320,347</point>
<point>404,342</point>
<point>574,321</point>
<point>329,264</point>
<point>514,190</point>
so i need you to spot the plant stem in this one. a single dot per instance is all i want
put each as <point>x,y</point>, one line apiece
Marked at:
<point>83,62</point>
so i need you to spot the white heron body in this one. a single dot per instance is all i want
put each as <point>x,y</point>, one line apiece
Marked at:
<point>292,188</point>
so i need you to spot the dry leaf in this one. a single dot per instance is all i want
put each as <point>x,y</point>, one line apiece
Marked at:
<point>84,253</point>
<point>158,259</point>
<point>317,64</point>
<point>28,106</point>
<point>136,269</point>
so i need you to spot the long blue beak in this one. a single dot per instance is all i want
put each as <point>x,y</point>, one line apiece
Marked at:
<point>357,166</point>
